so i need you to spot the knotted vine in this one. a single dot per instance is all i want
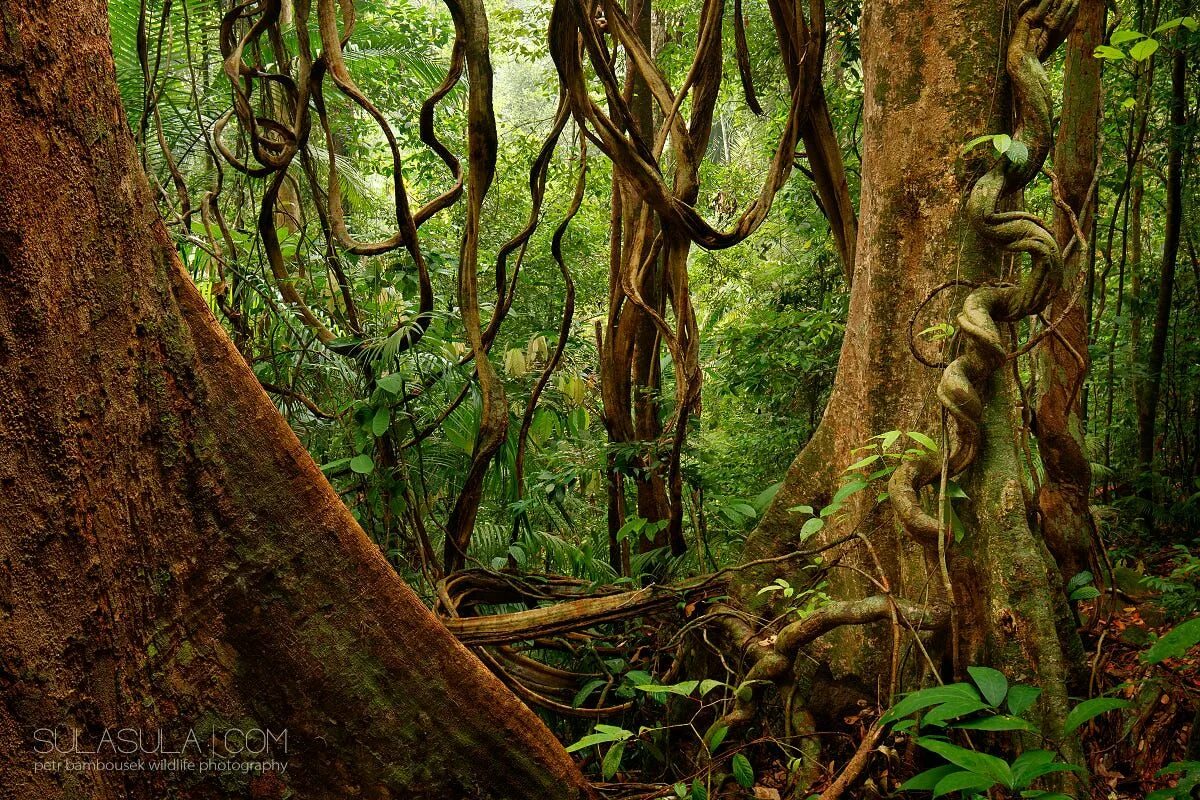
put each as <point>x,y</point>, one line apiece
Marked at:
<point>1040,27</point>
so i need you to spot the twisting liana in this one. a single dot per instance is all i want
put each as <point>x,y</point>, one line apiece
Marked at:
<point>1041,25</point>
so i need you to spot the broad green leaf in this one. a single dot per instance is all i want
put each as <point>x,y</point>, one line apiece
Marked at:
<point>999,722</point>
<point>1121,36</point>
<point>934,695</point>
<point>1079,579</point>
<point>601,737</point>
<point>392,384</point>
<point>991,683</point>
<point>923,440</point>
<point>363,464</point>
<point>963,781</point>
<point>612,760</point>
<point>743,773</point>
<point>682,689</point>
<point>1174,643</point>
<point>866,462</point>
<point>1027,761</point>
<point>1002,141</point>
<point>968,147</point>
<point>925,781</point>
<point>1143,49</point>
<point>953,710</point>
<point>708,685</point>
<point>1085,593</point>
<point>716,736</point>
<point>586,691</point>
<point>1017,152</point>
<point>970,760</point>
<point>847,490</point>
<point>810,527</point>
<point>1107,52</point>
<point>1090,709</point>
<point>381,421</point>
<point>1039,770</point>
<point>1021,697</point>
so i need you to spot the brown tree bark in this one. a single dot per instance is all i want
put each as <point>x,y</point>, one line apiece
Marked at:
<point>170,556</point>
<point>931,82</point>
<point>1064,496</point>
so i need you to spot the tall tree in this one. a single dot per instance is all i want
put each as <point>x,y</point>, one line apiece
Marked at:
<point>934,224</point>
<point>1151,386</point>
<point>170,556</point>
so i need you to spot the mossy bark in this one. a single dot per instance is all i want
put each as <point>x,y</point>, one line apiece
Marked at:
<point>934,78</point>
<point>170,556</point>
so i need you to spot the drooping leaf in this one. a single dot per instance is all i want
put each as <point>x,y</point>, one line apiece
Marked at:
<point>1021,697</point>
<point>970,760</point>
<point>1174,643</point>
<point>991,683</point>
<point>1143,49</point>
<point>743,772</point>
<point>1089,709</point>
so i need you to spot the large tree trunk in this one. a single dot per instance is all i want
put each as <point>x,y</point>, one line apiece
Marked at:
<point>170,557</point>
<point>931,82</point>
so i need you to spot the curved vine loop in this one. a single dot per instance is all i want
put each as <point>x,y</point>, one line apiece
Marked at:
<point>1041,25</point>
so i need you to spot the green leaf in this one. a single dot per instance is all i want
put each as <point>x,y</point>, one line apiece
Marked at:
<point>1002,141</point>
<point>801,509</point>
<point>923,440</point>
<point>708,685</point>
<point>392,384</point>
<point>683,689</point>
<point>1021,697</point>
<point>863,463</point>
<point>925,781</point>
<point>1085,593</point>
<point>953,710</point>
<point>1089,709</point>
<point>1143,49</point>
<point>810,527</point>
<point>612,760</point>
<point>363,465</point>
<point>743,773</point>
<point>963,781</point>
<point>970,760</point>
<point>716,736</point>
<point>1079,580</point>
<point>586,691</point>
<point>968,147</point>
<point>681,790</point>
<point>1121,36</point>
<point>999,722</point>
<point>1174,643</point>
<point>890,437</point>
<point>603,734</point>
<point>1109,53</point>
<point>1017,152</point>
<point>991,683</point>
<point>381,421</point>
<point>934,695</point>
<point>847,490</point>
<point>1029,760</point>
